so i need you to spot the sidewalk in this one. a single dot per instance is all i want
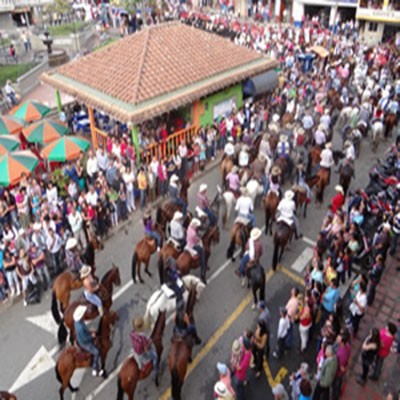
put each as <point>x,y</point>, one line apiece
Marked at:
<point>45,94</point>
<point>385,308</point>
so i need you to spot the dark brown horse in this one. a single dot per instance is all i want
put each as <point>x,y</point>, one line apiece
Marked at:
<point>180,353</point>
<point>7,396</point>
<point>239,235</point>
<point>270,201</point>
<point>110,279</point>
<point>389,122</point>
<point>74,357</point>
<point>346,173</point>
<point>185,262</point>
<point>282,236</point>
<point>129,374</point>
<point>314,158</point>
<point>168,250</point>
<point>225,167</point>
<point>300,194</point>
<point>322,183</point>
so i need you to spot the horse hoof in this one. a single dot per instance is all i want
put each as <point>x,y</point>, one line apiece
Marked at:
<point>74,389</point>
<point>149,273</point>
<point>141,281</point>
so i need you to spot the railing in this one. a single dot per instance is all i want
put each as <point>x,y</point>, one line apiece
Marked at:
<point>101,138</point>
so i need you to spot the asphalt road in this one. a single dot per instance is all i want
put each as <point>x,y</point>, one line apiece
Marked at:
<point>222,314</point>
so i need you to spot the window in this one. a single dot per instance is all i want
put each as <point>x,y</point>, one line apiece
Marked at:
<point>373,27</point>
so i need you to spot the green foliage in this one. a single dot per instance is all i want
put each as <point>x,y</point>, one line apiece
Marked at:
<point>59,7</point>
<point>61,181</point>
<point>67,29</point>
<point>13,71</point>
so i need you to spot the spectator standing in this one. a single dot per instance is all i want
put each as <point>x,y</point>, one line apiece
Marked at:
<point>305,323</point>
<point>279,392</point>
<point>370,349</point>
<point>259,342</point>
<point>92,167</point>
<point>283,329</point>
<point>240,372</point>
<point>76,223</point>
<point>327,375</point>
<point>37,258</point>
<point>129,179</point>
<point>10,265</point>
<point>54,244</point>
<point>343,351</point>
<point>25,272</point>
<point>142,186</point>
<point>357,307</point>
<point>225,378</point>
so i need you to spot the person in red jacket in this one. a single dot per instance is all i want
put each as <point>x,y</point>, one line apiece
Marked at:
<point>338,200</point>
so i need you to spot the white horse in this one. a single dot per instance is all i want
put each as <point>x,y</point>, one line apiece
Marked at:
<point>377,130</point>
<point>254,189</point>
<point>344,117</point>
<point>160,302</point>
<point>230,203</point>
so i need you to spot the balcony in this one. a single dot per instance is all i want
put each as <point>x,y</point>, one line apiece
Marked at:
<point>6,6</point>
<point>379,11</point>
<point>11,5</point>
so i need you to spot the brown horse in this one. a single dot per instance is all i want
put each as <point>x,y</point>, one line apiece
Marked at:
<point>346,173</point>
<point>129,374</point>
<point>389,122</point>
<point>314,158</point>
<point>273,142</point>
<point>287,118</point>
<point>74,357</point>
<point>239,235</point>
<point>282,236</point>
<point>180,353</point>
<point>270,201</point>
<point>168,250</point>
<point>322,183</point>
<point>300,194</point>
<point>282,163</point>
<point>185,262</point>
<point>225,167</point>
<point>110,279</point>
<point>7,396</point>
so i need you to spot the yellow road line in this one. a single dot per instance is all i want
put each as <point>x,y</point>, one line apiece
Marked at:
<point>217,335</point>
<point>294,277</point>
<point>279,377</point>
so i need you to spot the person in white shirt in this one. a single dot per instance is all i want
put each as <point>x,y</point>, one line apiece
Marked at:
<point>287,212</point>
<point>52,194</point>
<point>349,150</point>
<point>183,151</point>
<point>92,196</point>
<point>229,149</point>
<point>319,136</point>
<point>244,207</point>
<point>327,160</point>
<point>10,93</point>
<point>283,329</point>
<point>129,179</point>
<point>92,167</point>
<point>326,119</point>
<point>102,159</point>
<point>244,157</point>
<point>72,189</point>
<point>177,230</point>
<point>76,223</point>
<point>54,244</point>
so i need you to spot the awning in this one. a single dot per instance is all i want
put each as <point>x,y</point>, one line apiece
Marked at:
<point>261,84</point>
<point>320,51</point>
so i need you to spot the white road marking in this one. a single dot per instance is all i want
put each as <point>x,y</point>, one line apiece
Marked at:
<point>302,260</point>
<point>309,241</point>
<point>45,321</point>
<point>40,363</point>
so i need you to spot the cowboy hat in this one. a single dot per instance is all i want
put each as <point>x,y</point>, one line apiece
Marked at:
<point>327,111</point>
<point>79,312</point>
<point>138,324</point>
<point>195,222</point>
<point>266,136</point>
<point>328,145</point>
<point>289,195</point>
<point>174,178</point>
<point>386,225</point>
<point>236,347</point>
<point>230,139</point>
<point>21,231</point>
<point>283,138</point>
<point>235,169</point>
<point>177,215</point>
<point>321,127</point>
<point>71,243</point>
<point>147,214</point>
<point>221,390</point>
<point>203,187</point>
<point>244,191</point>
<point>347,143</point>
<point>261,157</point>
<point>339,188</point>
<point>275,170</point>
<point>275,118</point>
<point>85,271</point>
<point>37,226</point>
<point>300,166</point>
<point>222,368</point>
<point>255,233</point>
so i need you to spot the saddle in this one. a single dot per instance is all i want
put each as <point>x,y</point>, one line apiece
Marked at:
<point>79,354</point>
<point>242,220</point>
<point>174,243</point>
<point>193,253</point>
<point>300,189</point>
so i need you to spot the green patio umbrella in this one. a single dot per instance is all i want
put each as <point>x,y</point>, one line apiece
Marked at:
<point>8,143</point>
<point>45,131</point>
<point>31,111</point>
<point>13,165</point>
<point>66,148</point>
<point>10,125</point>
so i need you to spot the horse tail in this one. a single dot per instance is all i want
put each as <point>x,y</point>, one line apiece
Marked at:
<point>231,249</point>
<point>54,308</point>
<point>134,262</point>
<point>320,193</point>
<point>120,393</point>
<point>58,376</point>
<point>62,333</point>
<point>275,256</point>
<point>161,269</point>
<point>176,384</point>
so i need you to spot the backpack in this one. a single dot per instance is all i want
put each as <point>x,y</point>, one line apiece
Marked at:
<point>138,343</point>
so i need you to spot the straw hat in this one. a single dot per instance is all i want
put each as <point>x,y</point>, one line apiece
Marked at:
<point>203,187</point>
<point>283,138</point>
<point>138,324</point>
<point>386,225</point>
<point>275,170</point>
<point>328,145</point>
<point>275,118</point>
<point>79,312</point>
<point>221,390</point>
<point>289,195</point>
<point>261,157</point>
<point>85,271</point>
<point>236,347</point>
<point>195,222</point>
<point>147,213</point>
<point>21,231</point>
<point>37,226</point>
<point>339,189</point>
<point>230,139</point>
<point>174,178</point>
<point>235,169</point>
<point>255,233</point>
<point>71,243</point>
<point>177,215</point>
<point>347,143</point>
<point>243,191</point>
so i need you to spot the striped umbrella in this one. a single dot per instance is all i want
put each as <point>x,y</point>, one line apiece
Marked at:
<point>65,149</point>
<point>45,131</point>
<point>13,165</point>
<point>31,111</point>
<point>8,143</point>
<point>10,125</point>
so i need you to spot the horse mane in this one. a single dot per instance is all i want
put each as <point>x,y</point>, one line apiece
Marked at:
<point>100,327</point>
<point>159,325</point>
<point>107,275</point>
<point>191,301</point>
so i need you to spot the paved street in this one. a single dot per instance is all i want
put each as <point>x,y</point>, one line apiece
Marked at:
<point>221,315</point>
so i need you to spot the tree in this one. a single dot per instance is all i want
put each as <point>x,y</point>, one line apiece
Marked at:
<point>61,7</point>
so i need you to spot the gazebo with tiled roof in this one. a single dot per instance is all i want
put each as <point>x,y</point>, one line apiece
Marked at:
<point>159,69</point>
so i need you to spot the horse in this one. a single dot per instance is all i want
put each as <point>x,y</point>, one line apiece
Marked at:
<point>270,201</point>
<point>300,194</point>
<point>130,374</point>
<point>321,184</point>
<point>181,353</point>
<point>185,262</point>
<point>73,357</point>
<point>254,189</point>
<point>283,164</point>
<point>7,396</point>
<point>239,235</point>
<point>168,250</point>
<point>256,280</point>
<point>282,236</point>
<point>159,301</point>
<point>110,279</point>
<point>389,121</point>
<point>287,118</point>
<point>229,201</point>
<point>314,158</point>
<point>142,254</point>
<point>226,167</point>
<point>346,173</point>
<point>377,130</point>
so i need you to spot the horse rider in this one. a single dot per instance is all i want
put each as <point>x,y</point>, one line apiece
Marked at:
<point>173,281</point>
<point>204,204</point>
<point>229,149</point>
<point>265,146</point>
<point>287,212</point>
<point>326,119</point>
<point>72,257</point>
<point>253,252</point>
<point>319,136</point>
<point>149,228</point>
<point>85,339</point>
<point>184,328</point>
<point>174,193</point>
<point>283,150</point>
<point>258,170</point>
<point>327,160</point>
<point>177,230</point>
<point>244,207</point>
<point>244,158</point>
<point>90,286</point>
<point>142,345</point>
<point>193,241</point>
<point>233,181</point>
<point>275,180</point>
<point>273,126</point>
<point>349,151</point>
<point>301,179</point>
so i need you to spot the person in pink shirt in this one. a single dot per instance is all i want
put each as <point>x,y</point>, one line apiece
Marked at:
<point>387,335</point>
<point>225,377</point>
<point>233,181</point>
<point>243,366</point>
<point>193,241</point>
